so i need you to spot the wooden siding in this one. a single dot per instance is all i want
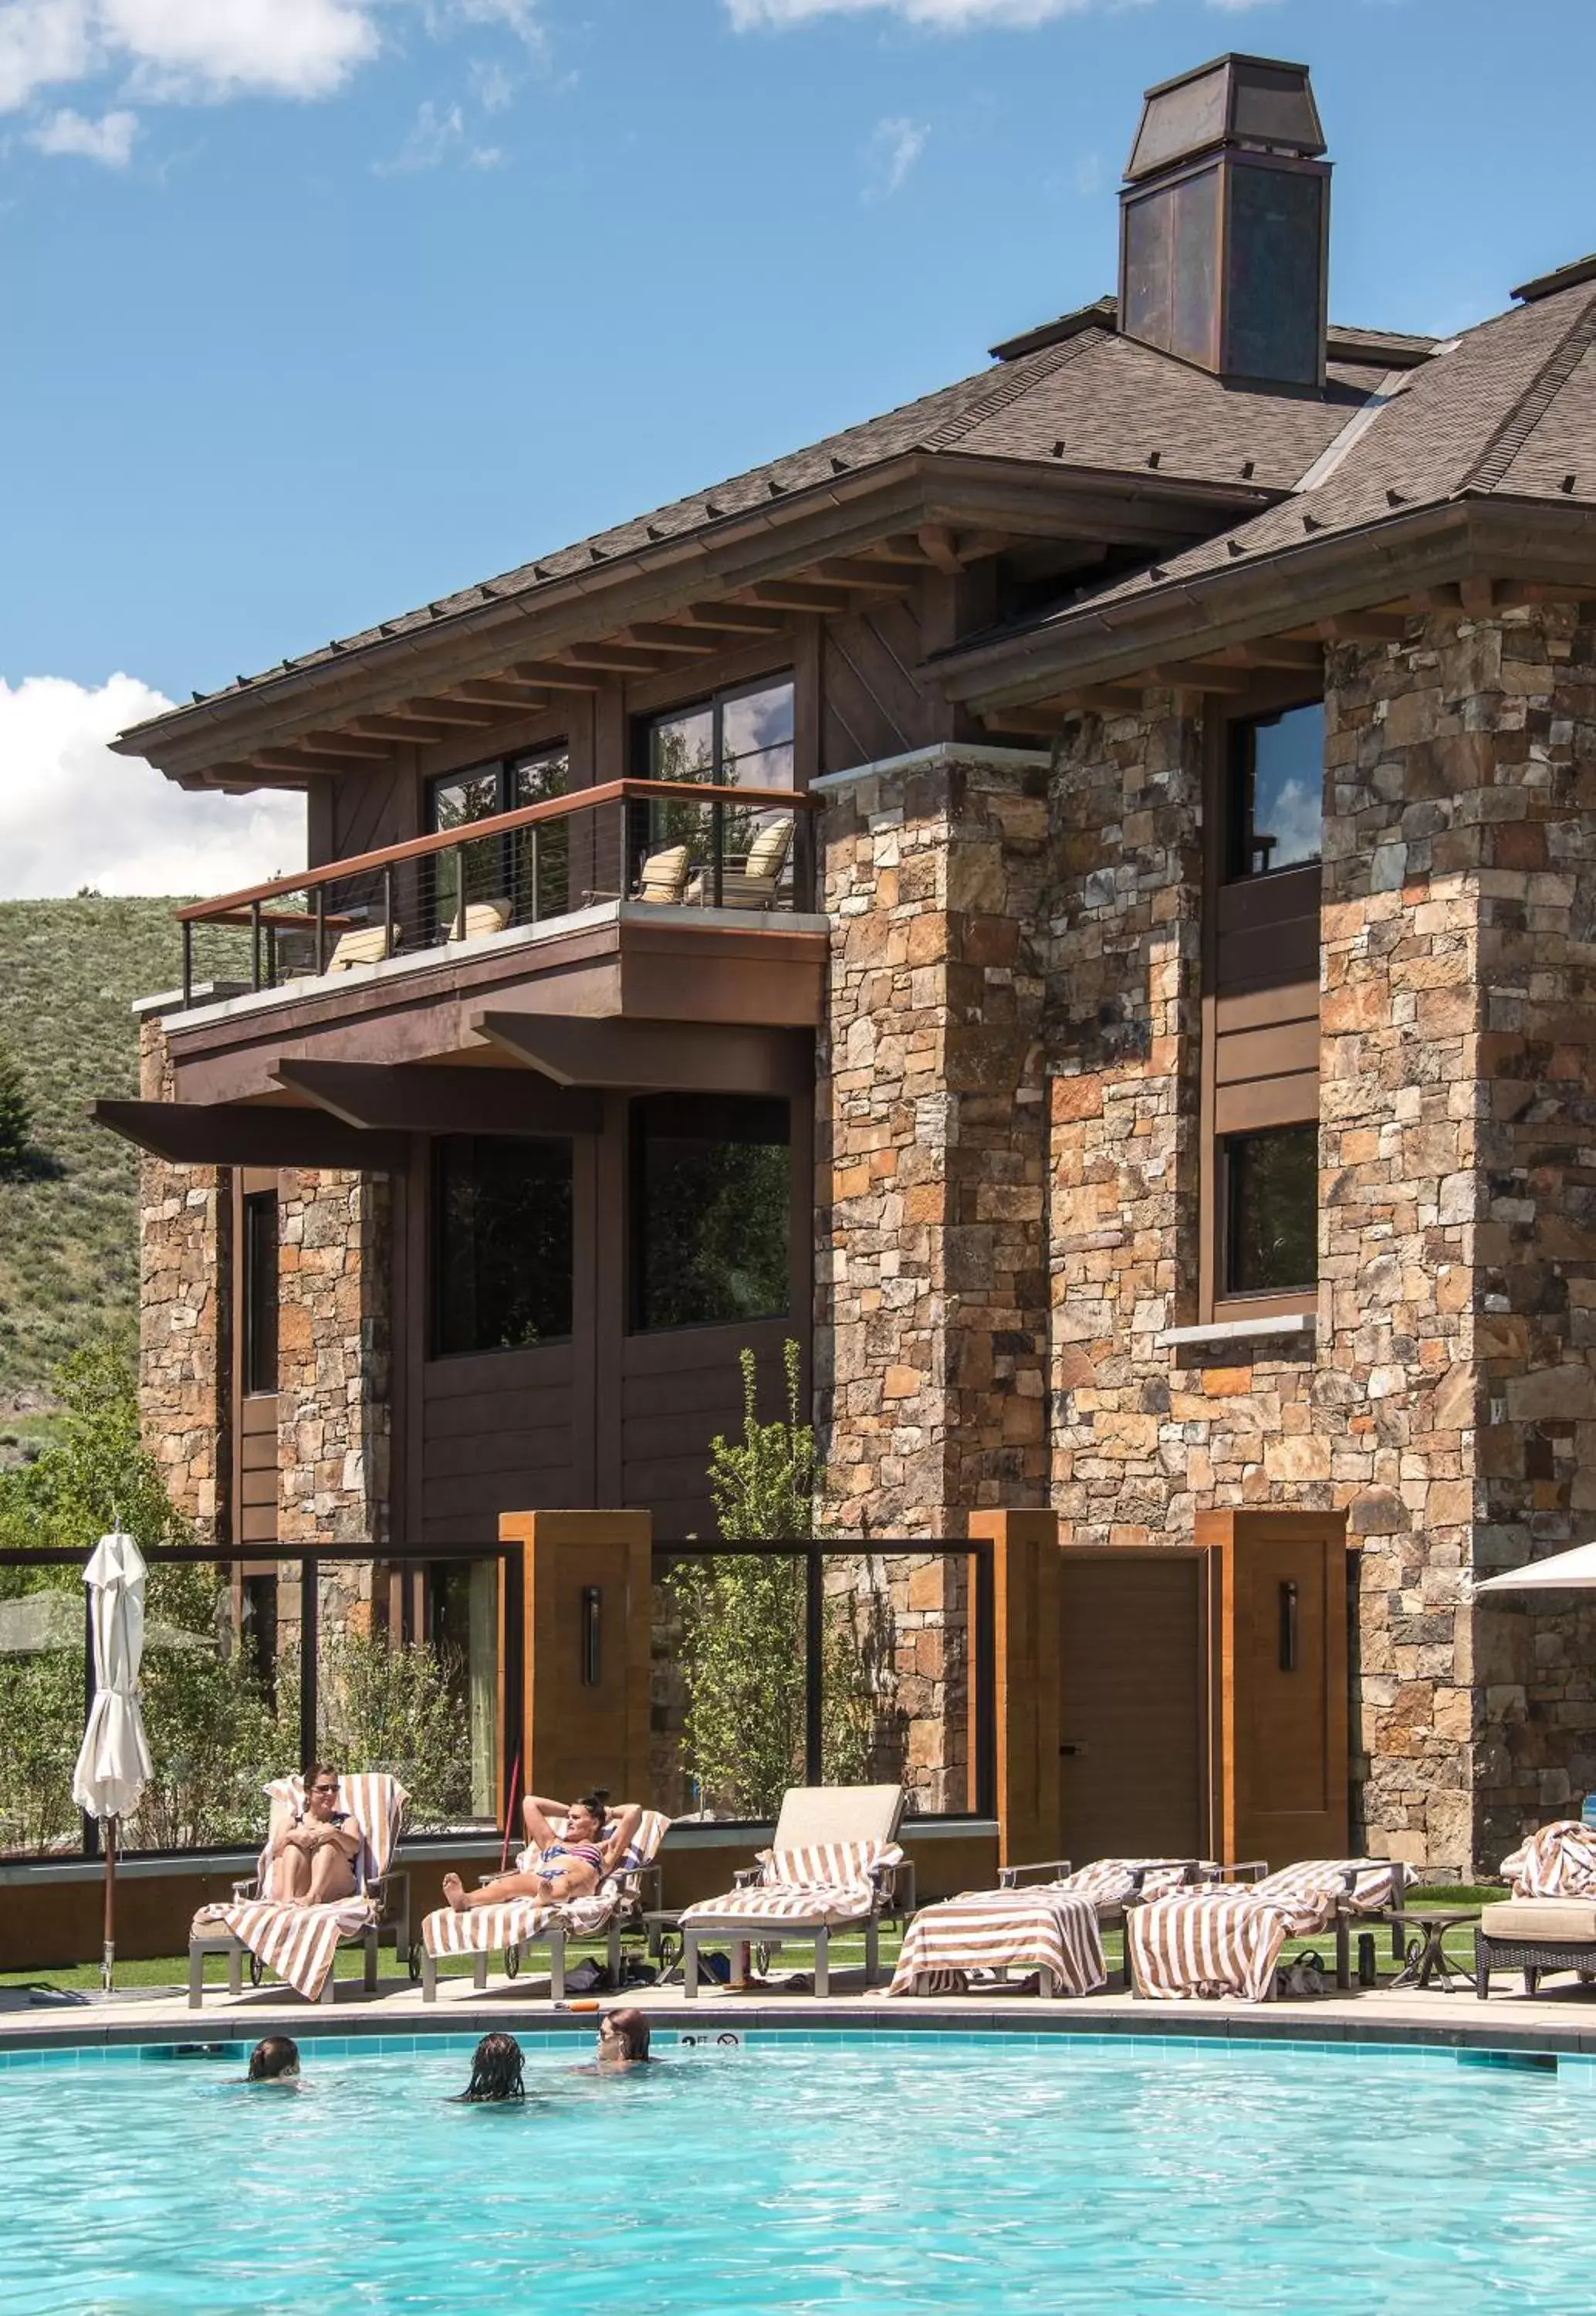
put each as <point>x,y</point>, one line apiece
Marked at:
<point>1133,1705</point>
<point>258,1486</point>
<point>872,707</point>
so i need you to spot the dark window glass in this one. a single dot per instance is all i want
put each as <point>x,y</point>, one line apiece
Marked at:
<point>501,1242</point>
<point>1277,790</point>
<point>521,879</point>
<point>258,1633</point>
<point>710,1183</point>
<point>737,740</point>
<point>1271,1210</point>
<point>259,1291</point>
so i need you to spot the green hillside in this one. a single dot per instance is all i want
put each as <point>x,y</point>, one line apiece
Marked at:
<point>69,971</point>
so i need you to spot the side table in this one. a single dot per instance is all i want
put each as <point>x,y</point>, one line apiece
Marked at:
<point>1426,1963</point>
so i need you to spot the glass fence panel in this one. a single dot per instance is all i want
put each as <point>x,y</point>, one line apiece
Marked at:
<point>42,1711</point>
<point>897,1696</point>
<point>408,1681</point>
<point>729,1683</point>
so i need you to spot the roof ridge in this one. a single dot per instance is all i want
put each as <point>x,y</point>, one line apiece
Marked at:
<point>1013,382</point>
<point>1532,405</point>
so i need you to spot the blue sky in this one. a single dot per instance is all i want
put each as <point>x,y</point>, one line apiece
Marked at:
<point>313,309</point>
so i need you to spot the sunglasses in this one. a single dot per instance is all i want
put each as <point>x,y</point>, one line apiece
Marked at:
<point>324,1789</point>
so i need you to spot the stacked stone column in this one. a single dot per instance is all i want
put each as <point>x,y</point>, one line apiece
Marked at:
<point>184,1262</point>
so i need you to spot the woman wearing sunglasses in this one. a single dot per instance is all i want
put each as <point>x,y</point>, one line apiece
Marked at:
<point>316,1852</point>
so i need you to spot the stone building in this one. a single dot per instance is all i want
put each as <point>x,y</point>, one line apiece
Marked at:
<point>1120,993</point>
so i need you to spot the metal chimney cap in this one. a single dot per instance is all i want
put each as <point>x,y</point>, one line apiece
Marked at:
<point>1234,100</point>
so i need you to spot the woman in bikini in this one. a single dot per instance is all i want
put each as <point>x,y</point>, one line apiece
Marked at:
<point>316,1852</point>
<point>570,1865</point>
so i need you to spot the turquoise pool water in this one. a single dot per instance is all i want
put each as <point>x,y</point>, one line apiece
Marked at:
<point>901,2175</point>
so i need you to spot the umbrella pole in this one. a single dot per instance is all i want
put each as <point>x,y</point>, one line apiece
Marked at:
<point>108,1953</point>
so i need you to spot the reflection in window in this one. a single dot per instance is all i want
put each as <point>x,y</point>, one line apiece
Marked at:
<point>711,1184</point>
<point>511,879</point>
<point>1277,788</point>
<point>501,1242</point>
<point>1271,1210</point>
<point>737,740</point>
<point>259,1291</point>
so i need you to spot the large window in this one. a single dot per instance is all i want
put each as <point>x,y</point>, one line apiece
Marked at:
<point>1276,790</point>
<point>1271,1210</point>
<point>735,740</point>
<point>259,1297</point>
<point>711,1184</point>
<point>501,1242</point>
<point>517,878</point>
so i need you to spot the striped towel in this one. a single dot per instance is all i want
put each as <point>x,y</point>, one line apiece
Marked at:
<point>1225,1940</point>
<point>1109,1881</point>
<point>299,1942</point>
<point>1003,1930</point>
<point>488,1929</point>
<point>1559,1861</point>
<point>825,1886</point>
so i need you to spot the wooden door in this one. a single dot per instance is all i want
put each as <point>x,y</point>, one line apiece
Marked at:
<point>1133,1705</point>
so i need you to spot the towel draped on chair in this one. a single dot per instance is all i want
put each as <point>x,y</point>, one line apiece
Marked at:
<point>1220,1939</point>
<point>1556,1861</point>
<point>299,1943</point>
<point>830,1884</point>
<point>1049,1929</point>
<point>510,1922</point>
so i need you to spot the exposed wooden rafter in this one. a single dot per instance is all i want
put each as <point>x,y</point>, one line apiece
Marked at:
<point>293,760</point>
<point>736,619</point>
<point>555,675</point>
<point>663,636</point>
<point>514,699</point>
<point>613,659</point>
<point>799,596</point>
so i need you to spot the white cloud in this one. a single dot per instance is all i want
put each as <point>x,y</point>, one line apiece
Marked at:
<point>108,139</point>
<point>895,144</point>
<point>438,131</point>
<point>184,48</point>
<point>942,16</point>
<point>72,814</point>
<point>491,85</point>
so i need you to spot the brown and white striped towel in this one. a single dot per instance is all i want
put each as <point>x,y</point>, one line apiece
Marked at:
<point>1222,1939</point>
<point>1046,1930</point>
<point>1557,1861</point>
<point>828,1885</point>
<point>299,1942</point>
<point>488,1929</point>
<point>1109,1881</point>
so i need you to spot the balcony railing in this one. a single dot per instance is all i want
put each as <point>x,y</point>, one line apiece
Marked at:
<point>662,842</point>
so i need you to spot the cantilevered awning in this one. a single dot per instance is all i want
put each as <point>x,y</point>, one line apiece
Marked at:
<point>412,1098</point>
<point>248,1133</point>
<point>683,1057</point>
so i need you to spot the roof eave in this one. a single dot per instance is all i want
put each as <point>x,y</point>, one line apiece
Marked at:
<point>1357,570</point>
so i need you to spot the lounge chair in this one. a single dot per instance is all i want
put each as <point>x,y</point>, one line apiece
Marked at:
<point>300,1942</point>
<point>369,946</point>
<point>518,1923</point>
<point>752,881</point>
<point>663,877</point>
<point>834,1863</point>
<point>1048,1930</point>
<point>1112,1883</point>
<point>1225,1937</point>
<point>1549,1923</point>
<point>477,918</point>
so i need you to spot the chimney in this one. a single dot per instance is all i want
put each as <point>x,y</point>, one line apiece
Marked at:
<point>1224,221</point>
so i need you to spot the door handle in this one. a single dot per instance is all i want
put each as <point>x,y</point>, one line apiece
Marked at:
<point>1071,1751</point>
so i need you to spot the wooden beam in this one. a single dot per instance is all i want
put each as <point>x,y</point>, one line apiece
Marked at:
<point>246,1134</point>
<point>613,659</point>
<point>797,595</point>
<point>398,724</point>
<point>1198,675</point>
<point>696,641</point>
<point>717,1058</point>
<point>737,619</point>
<point>443,709</point>
<point>976,546</point>
<point>1274,651</point>
<point>553,674</point>
<point>516,698</point>
<point>1108,700</point>
<point>341,742</point>
<point>937,540</point>
<point>1042,719</point>
<point>1363,628</point>
<point>420,1098</point>
<point>856,572</point>
<point>303,760</point>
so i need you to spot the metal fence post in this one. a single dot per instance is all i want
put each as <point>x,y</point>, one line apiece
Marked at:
<point>814,1664</point>
<point>309,1609</point>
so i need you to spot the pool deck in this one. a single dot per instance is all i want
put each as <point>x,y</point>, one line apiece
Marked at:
<point>1560,2019</point>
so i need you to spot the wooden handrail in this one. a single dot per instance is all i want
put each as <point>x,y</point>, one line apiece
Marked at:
<point>526,816</point>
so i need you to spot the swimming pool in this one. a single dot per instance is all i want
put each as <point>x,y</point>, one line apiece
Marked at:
<point>923,2174</point>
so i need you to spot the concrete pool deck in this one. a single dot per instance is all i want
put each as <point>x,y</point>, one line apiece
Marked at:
<point>1561,2019</point>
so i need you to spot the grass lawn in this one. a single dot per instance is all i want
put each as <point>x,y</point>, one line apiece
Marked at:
<point>846,1953</point>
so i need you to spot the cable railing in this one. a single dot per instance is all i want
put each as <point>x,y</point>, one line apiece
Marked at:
<point>664,843</point>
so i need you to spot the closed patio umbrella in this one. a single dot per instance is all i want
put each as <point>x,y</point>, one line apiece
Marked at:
<point>113,1765</point>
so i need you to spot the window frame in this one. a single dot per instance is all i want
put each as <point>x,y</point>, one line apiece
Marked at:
<point>250,1348</point>
<point>1232,830</point>
<point>503,770</point>
<point>635,1324</point>
<point>716,703</point>
<point>1229,1297</point>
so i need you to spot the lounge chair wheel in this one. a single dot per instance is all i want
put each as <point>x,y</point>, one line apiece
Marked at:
<point>513,1962</point>
<point>413,1963</point>
<point>257,1970</point>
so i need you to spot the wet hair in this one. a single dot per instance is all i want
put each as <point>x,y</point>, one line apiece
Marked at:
<point>273,2057</point>
<point>597,1804</point>
<point>630,2029</point>
<point>495,2071</point>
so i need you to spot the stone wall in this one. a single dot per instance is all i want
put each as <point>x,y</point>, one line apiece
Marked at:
<point>930,1299</point>
<point>334,1357</point>
<point>184,1260</point>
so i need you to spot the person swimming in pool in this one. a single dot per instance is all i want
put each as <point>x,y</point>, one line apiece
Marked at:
<point>496,2076</point>
<point>569,1865</point>
<point>275,2059</point>
<point>623,2041</point>
<point>316,1852</point>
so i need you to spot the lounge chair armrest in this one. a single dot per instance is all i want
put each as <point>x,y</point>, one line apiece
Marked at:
<point>244,1890</point>
<point>1046,1869</point>
<point>647,1884</point>
<point>746,1877</point>
<point>387,1889</point>
<point>1244,1869</point>
<point>895,1887</point>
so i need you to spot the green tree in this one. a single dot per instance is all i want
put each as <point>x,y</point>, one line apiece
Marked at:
<point>742,1620</point>
<point>16,1118</point>
<point>399,1707</point>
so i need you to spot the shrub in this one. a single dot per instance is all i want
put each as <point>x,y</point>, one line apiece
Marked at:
<point>16,1116</point>
<point>396,1706</point>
